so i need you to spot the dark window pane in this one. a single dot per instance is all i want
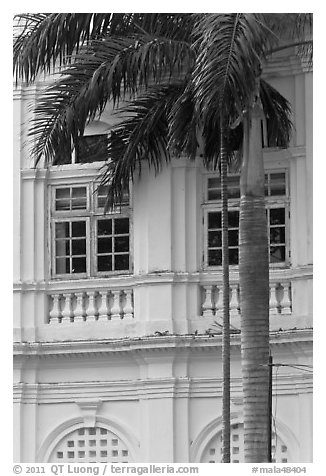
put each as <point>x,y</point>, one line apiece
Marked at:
<point>121,243</point>
<point>234,187</point>
<point>277,254</point>
<point>78,228</point>
<point>78,204</point>
<point>214,257</point>
<point>277,184</point>
<point>277,216</point>
<point>234,219</point>
<point>104,263</point>
<point>91,148</point>
<point>62,229</point>
<point>266,184</point>
<point>233,255</point>
<point>214,239</point>
<point>104,245</point>
<point>62,205</point>
<point>102,191</point>
<point>104,227</point>
<point>277,235</point>
<point>214,195</point>
<point>61,193</point>
<point>78,247</point>
<point>121,226</point>
<point>121,262</point>
<point>78,265</point>
<point>214,182</point>
<point>62,248</point>
<point>233,237</point>
<point>62,266</point>
<point>78,192</point>
<point>233,192</point>
<point>214,220</point>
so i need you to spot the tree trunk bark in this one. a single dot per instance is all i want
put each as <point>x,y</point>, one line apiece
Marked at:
<point>226,304</point>
<point>254,292</point>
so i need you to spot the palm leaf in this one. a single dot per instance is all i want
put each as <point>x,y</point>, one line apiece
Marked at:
<point>278,113</point>
<point>108,69</point>
<point>231,48</point>
<point>44,40</point>
<point>142,136</point>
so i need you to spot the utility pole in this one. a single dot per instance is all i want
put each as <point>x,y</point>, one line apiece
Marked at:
<point>270,407</point>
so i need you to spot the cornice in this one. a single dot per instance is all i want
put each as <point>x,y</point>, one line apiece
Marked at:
<point>154,344</point>
<point>278,154</point>
<point>140,389</point>
<point>34,174</point>
<point>285,64</point>
<point>158,278</point>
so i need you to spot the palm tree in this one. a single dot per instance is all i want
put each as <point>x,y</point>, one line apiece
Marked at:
<point>192,75</point>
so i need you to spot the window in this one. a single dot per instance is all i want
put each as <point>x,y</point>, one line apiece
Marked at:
<point>277,215</point>
<point>96,448</point>
<point>91,148</point>
<point>213,452</point>
<point>85,241</point>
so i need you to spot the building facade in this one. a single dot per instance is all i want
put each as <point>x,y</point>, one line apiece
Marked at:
<point>117,316</point>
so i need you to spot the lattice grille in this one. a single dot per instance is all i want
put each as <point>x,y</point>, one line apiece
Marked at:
<point>213,452</point>
<point>91,445</point>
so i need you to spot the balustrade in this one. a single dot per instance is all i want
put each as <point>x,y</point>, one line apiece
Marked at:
<point>88,306</point>
<point>280,301</point>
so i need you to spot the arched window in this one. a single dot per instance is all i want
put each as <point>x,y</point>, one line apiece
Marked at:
<point>213,450</point>
<point>90,445</point>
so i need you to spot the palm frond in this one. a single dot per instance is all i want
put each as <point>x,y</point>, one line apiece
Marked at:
<point>292,30</point>
<point>108,69</point>
<point>142,136</point>
<point>230,48</point>
<point>278,113</point>
<point>45,40</point>
<point>183,124</point>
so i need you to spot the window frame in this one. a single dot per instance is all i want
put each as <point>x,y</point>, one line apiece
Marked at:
<point>90,215</point>
<point>272,201</point>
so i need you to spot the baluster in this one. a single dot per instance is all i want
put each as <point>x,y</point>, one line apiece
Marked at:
<point>78,314</point>
<point>219,303</point>
<point>273,302</point>
<point>103,309</point>
<point>66,311</point>
<point>286,304</point>
<point>55,314</point>
<point>234,304</point>
<point>208,306</point>
<point>128,309</point>
<point>91,308</point>
<point>116,308</point>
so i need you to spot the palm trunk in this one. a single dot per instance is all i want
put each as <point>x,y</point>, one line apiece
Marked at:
<point>226,305</point>
<point>254,292</point>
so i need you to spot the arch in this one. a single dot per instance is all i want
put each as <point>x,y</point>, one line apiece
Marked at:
<point>73,424</point>
<point>215,426</point>
<point>97,128</point>
<point>207,433</point>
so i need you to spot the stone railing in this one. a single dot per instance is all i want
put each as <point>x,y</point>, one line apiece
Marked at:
<point>280,300</point>
<point>90,305</point>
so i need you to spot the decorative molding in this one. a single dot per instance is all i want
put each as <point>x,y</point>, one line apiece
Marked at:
<point>285,64</point>
<point>166,343</point>
<point>210,430</point>
<point>89,395</point>
<point>163,277</point>
<point>89,410</point>
<point>122,430</point>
